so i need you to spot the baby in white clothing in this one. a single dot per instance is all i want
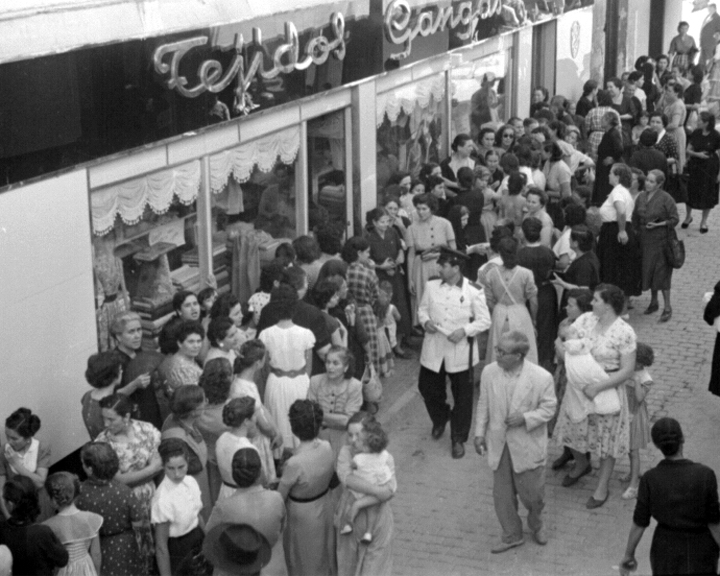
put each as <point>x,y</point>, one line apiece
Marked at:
<point>582,370</point>
<point>373,466</point>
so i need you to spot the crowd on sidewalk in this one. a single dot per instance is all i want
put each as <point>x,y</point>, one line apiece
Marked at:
<point>248,444</point>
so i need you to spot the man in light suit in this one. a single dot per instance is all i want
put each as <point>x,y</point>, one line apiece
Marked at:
<point>453,312</point>
<point>710,26</point>
<point>517,399</point>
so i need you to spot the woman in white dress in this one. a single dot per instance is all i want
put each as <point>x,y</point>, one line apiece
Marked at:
<point>237,416</point>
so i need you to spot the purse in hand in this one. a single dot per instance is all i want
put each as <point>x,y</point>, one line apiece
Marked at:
<point>371,384</point>
<point>674,250</point>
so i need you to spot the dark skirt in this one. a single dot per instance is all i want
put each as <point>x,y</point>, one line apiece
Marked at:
<point>620,264</point>
<point>715,373</point>
<point>656,272</point>
<point>546,324</point>
<point>677,552</point>
<point>179,548</point>
<point>702,183</point>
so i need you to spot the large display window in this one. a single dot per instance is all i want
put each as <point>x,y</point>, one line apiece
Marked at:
<point>411,129</point>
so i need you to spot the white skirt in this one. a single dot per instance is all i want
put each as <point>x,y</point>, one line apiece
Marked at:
<point>280,393</point>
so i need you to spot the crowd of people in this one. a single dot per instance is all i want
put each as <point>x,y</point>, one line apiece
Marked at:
<point>249,442</point>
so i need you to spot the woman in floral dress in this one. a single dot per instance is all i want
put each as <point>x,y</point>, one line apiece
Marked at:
<point>612,343</point>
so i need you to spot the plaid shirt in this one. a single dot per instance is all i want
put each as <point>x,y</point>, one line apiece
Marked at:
<point>593,128</point>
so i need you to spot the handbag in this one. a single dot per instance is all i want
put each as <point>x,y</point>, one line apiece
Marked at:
<point>674,250</point>
<point>607,402</point>
<point>371,385</point>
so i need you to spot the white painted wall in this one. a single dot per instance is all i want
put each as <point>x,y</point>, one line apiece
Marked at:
<point>523,85</point>
<point>47,316</point>
<point>574,46</point>
<point>638,31</point>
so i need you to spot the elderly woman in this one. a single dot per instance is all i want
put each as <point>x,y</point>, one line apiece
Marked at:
<point>216,380</point>
<point>510,291</point>
<point>355,558</point>
<point>252,504</point>
<point>594,124</point>
<point>135,443</point>
<point>305,486</point>
<point>676,112</point>
<point>703,167</point>
<point>609,152</point>
<point>24,455</point>
<point>183,368</point>
<point>654,215</point>
<point>616,245</point>
<point>35,548</point>
<point>187,406</point>
<point>122,513</point>
<point>363,288</point>
<point>612,345</point>
<point>682,497</point>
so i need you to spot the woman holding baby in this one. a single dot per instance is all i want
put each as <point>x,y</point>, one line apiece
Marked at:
<point>611,343</point>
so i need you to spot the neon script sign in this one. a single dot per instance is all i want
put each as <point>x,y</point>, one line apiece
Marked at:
<point>399,28</point>
<point>286,58</point>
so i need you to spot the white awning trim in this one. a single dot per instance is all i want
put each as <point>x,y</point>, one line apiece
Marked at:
<point>155,190</point>
<point>405,98</point>
<point>263,153</point>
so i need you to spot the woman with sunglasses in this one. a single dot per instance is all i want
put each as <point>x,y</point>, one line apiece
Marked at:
<point>504,139</point>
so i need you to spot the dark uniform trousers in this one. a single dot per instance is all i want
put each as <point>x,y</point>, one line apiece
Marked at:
<point>433,388</point>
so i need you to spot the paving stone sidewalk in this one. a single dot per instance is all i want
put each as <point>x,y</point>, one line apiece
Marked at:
<point>445,521</point>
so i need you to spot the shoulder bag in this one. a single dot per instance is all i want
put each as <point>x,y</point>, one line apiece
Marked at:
<point>674,250</point>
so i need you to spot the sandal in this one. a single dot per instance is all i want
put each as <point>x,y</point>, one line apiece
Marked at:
<point>666,315</point>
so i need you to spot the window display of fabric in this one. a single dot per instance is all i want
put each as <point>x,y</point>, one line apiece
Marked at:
<point>110,294</point>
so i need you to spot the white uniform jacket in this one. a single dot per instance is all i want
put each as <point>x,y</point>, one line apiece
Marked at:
<point>452,307</point>
<point>534,397</point>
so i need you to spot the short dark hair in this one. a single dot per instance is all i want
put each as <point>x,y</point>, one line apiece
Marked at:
<point>644,354</point>
<point>709,118</point>
<point>583,236</point>
<point>612,295</point>
<point>306,249</point>
<point>186,399</point>
<point>604,98</point>
<point>428,200</point>
<point>507,248</point>
<point>623,173</point>
<point>306,418</point>
<point>614,80</point>
<point>250,352</point>
<point>103,368</point>
<point>375,437</point>
<point>271,273</point>
<point>663,117</point>
<point>509,162</point>
<point>24,422</point>
<point>459,141</point>
<point>172,448</point>
<point>589,86</point>
<point>285,300</point>
<point>180,297</point>
<point>648,138</point>
<point>465,177</point>
<point>531,228</point>
<point>355,245</point>
<point>583,298</point>
<point>118,403</point>
<point>329,238</point>
<point>540,194</point>
<point>23,494</point>
<point>101,459</point>
<point>223,305</point>
<point>286,252</point>
<point>516,182</point>
<point>206,293</point>
<point>218,329</point>
<point>216,380</point>
<point>324,291</point>
<point>238,410</point>
<point>556,153</point>
<point>188,328</point>
<point>575,214</point>
<point>246,467</point>
<point>294,276</point>
<point>667,435</point>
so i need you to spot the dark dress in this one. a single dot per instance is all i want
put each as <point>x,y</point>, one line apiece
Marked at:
<point>647,159</point>
<point>380,250</point>
<point>473,233</point>
<point>35,548</point>
<point>151,404</point>
<point>610,145</point>
<point>683,497</point>
<point>541,261</point>
<point>656,272</point>
<point>584,106</point>
<point>119,508</point>
<point>583,271</point>
<point>305,316</point>
<point>712,311</point>
<point>702,184</point>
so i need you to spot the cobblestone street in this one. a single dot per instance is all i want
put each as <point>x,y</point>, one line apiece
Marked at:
<point>445,521</point>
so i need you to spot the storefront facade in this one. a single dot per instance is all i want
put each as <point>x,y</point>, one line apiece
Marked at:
<point>170,155</point>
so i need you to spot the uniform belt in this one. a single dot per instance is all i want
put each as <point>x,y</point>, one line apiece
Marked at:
<point>233,486</point>
<point>305,500</point>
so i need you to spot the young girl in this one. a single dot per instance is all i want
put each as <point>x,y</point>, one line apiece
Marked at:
<point>78,531</point>
<point>382,308</point>
<point>289,350</point>
<point>175,511</point>
<point>372,464</point>
<point>637,389</point>
<point>488,218</point>
<point>392,316</point>
<point>327,295</point>
<point>640,127</point>
<point>237,416</point>
<point>512,206</point>
<point>206,298</point>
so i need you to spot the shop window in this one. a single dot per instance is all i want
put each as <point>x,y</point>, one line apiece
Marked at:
<point>478,94</point>
<point>410,130</point>
<point>327,170</point>
<point>145,247</point>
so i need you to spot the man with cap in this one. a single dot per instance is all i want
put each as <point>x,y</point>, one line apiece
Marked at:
<point>517,399</point>
<point>453,312</point>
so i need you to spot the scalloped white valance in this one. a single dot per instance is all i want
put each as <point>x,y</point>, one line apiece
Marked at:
<point>156,190</point>
<point>407,97</point>
<point>263,153</point>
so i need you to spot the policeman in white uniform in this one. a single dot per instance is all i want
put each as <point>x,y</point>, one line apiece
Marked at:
<point>453,312</point>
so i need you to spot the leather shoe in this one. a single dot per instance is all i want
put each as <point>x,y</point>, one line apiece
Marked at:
<point>458,450</point>
<point>505,546</point>
<point>437,431</point>
<point>571,480</point>
<point>562,460</point>
<point>540,537</point>
<point>592,503</point>
<point>654,307</point>
<point>666,315</point>
<point>404,354</point>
